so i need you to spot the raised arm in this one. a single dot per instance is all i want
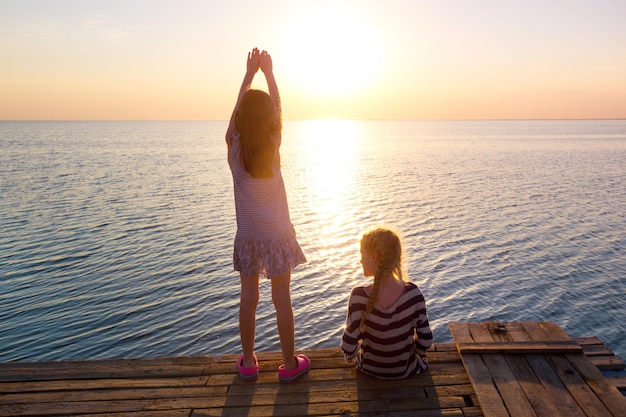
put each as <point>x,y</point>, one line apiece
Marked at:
<point>252,66</point>
<point>265,63</point>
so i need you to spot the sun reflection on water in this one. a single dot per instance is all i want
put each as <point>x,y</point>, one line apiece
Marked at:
<point>328,156</point>
<point>329,153</point>
<point>330,147</point>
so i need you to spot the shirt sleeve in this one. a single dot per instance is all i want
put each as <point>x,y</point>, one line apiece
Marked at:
<point>422,330</point>
<point>351,333</point>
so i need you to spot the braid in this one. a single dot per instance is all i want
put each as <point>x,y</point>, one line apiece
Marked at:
<point>388,249</point>
<point>371,300</point>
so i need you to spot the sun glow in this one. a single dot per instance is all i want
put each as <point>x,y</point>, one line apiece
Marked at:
<point>328,149</point>
<point>331,52</point>
<point>329,152</point>
<point>331,144</point>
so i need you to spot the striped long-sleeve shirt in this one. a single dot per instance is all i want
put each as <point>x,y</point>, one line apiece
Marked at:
<point>394,339</point>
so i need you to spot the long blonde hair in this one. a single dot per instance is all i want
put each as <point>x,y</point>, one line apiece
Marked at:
<point>387,246</point>
<point>256,121</point>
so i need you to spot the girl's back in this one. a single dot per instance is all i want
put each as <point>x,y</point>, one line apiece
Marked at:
<point>260,203</point>
<point>386,349</point>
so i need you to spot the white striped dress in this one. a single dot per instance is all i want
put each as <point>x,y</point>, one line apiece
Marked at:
<point>395,339</point>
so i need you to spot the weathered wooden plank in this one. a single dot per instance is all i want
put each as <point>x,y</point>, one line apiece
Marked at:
<point>520,347</point>
<point>513,333</point>
<point>596,350</point>
<point>328,380</point>
<point>607,392</point>
<point>271,363</point>
<point>472,412</point>
<point>276,356</point>
<point>480,332</point>
<point>442,347</point>
<point>127,406</point>
<point>447,368</point>
<point>535,331</point>
<point>101,372</point>
<point>537,396</point>
<point>396,399</point>
<point>504,331</point>
<point>502,376</point>
<point>606,396</point>
<point>162,413</point>
<point>87,384</point>
<point>588,340</point>
<point>358,382</point>
<point>508,386</point>
<point>457,390</point>
<point>440,375</point>
<point>490,401</point>
<point>554,387</point>
<point>577,387</point>
<point>608,363</point>
<point>339,361</point>
<point>575,384</point>
<point>508,331</point>
<point>360,409</point>
<point>460,332</point>
<point>444,357</point>
<point>112,395</point>
<point>618,381</point>
<point>600,354</point>
<point>554,331</point>
<point>539,370</point>
<point>118,363</point>
<point>489,397</point>
<point>528,386</point>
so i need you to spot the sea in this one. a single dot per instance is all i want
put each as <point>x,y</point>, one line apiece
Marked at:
<point>116,237</point>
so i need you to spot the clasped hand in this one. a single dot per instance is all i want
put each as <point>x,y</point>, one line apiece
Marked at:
<point>258,60</point>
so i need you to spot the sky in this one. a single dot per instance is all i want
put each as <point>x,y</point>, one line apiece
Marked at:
<point>361,59</point>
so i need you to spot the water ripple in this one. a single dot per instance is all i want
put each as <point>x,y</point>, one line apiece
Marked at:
<point>117,236</point>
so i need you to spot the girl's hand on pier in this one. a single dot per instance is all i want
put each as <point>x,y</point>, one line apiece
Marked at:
<point>253,62</point>
<point>265,62</point>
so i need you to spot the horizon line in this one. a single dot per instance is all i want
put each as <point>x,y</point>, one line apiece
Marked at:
<point>325,118</point>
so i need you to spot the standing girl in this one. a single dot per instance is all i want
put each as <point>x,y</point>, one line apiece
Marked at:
<point>387,331</point>
<point>266,240</point>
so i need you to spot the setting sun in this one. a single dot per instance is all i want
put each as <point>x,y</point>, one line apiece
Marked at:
<point>332,52</point>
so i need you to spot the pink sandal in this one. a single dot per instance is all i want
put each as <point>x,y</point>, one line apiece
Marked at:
<point>290,375</point>
<point>248,374</point>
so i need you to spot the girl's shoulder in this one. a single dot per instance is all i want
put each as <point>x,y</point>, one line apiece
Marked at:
<point>413,292</point>
<point>413,288</point>
<point>360,291</point>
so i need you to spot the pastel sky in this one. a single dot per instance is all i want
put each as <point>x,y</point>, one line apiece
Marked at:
<point>356,59</point>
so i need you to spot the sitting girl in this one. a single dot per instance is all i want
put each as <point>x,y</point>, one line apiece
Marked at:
<point>387,331</point>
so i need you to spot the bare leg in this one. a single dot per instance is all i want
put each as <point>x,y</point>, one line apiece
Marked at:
<point>284,318</point>
<point>247,316</point>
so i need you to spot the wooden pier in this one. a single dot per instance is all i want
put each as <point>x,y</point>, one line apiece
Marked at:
<point>491,369</point>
